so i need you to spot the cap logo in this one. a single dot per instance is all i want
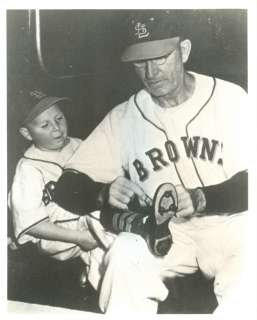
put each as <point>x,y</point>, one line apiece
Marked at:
<point>37,94</point>
<point>141,30</point>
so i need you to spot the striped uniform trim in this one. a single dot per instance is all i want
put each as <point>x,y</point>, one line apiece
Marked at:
<point>44,161</point>
<point>186,129</point>
<point>129,221</point>
<point>160,129</point>
<point>28,228</point>
<point>58,252</point>
<point>115,222</point>
<point>66,220</point>
<point>123,221</point>
<point>195,116</point>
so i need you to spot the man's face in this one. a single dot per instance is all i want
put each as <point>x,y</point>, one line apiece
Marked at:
<point>163,77</point>
<point>48,130</point>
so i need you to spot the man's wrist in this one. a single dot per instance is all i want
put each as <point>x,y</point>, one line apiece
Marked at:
<point>198,199</point>
<point>229,196</point>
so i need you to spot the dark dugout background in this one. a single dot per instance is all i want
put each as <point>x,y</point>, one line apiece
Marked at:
<point>80,58</point>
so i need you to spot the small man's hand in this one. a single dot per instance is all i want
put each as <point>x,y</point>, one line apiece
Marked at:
<point>86,241</point>
<point>103,238</point>
<point>122,190</point>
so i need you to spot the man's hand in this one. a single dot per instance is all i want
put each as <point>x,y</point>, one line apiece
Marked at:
<point>122,191</point>
<point>190,202</point>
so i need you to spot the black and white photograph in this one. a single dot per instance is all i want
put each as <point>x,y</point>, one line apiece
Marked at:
<point>127,162</point>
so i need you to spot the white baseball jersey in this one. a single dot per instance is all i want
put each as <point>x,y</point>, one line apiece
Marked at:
<point>197,143</point>
<point>33,172</point>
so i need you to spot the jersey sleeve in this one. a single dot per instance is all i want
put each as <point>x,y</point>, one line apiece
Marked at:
<point>100,155</point>
<point>25,200</point>
<point>235,131</point>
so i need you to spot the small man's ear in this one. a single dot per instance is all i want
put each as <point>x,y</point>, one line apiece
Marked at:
<point>185,46</point>
<point>25,133</point>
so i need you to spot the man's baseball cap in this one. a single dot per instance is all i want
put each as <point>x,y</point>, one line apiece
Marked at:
<point>34,102</point>
<point>151,35</point>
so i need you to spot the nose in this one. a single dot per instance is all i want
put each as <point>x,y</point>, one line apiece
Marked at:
<point>55,129</point>
<point>151,69</point>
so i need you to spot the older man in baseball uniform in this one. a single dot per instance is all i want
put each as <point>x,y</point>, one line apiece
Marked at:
<point>182,130</point>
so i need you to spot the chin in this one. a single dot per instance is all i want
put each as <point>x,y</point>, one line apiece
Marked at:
<point>158,93</point>
<point>61,144</point>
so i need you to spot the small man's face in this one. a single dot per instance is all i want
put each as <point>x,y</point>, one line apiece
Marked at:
<point>163,76</point>
<point>48,130</point>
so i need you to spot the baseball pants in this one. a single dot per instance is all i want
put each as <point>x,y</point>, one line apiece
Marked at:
<point>131,279</point>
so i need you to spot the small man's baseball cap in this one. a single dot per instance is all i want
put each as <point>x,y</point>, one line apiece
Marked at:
<point>151,35</point>
<point>34,102</point>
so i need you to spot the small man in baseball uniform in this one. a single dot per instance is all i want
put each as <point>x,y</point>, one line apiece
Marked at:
<point>176,151</point>
<point>56,232</point>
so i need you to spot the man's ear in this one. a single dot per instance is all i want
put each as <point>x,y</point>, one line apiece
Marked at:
<point>25,133</point>
<point>185,47</point>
